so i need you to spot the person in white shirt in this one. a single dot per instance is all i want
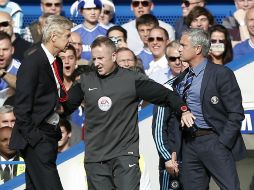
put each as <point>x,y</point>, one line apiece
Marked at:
<point>157,42</point>
<point>140,8</point>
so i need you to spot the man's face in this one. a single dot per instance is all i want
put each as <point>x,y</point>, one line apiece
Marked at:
<point>6,51</point>
<point>69,62</point>
<point>187,52</point>
<point>250,22</point>
<point>244,4</point>
<point>61,41</point>
<point>6,23</point>
<point>91,15</point>
<point>174,62</point>
<point>187,6</point>
<point>106,14</point>
<point>76,42</point>
<point>201,22</point>
<point>157,43</point>
<point>104,60</point>
<point>65,137</point>
<point>7,119</point>
<point>125,59</point>
<point>5,136</point>
<point>51,6</point>
<point>119,36</point>
<point>141,7</point>
<point>144,31</point>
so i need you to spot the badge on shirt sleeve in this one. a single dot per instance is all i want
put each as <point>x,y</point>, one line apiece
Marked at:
<point>104,103</point>
<point>215,100</point>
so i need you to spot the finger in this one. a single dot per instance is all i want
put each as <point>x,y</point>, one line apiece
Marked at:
<point>173,156</point>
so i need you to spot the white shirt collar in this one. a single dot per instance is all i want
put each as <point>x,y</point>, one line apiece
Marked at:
<point>50,57</point>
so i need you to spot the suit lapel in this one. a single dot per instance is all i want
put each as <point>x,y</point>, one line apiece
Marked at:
<point>47,65</point>
<point>206,77</point>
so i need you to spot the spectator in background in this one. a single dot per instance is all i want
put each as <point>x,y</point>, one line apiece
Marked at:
<point>107,13</point>
<point>221,51</point>
<point>19,44</point>
<point>32,33</point>
<point>76,42</point>
<point>236,24</point>
<point>187,6</point>
<point>144,25</point>
<point>166,135</point>
<point>140,8</point>
<point>157,42</point>
<point>200,17</point>
<point>247,46</point>
<point>69,59</point>
<point>7,117</point>
<point>8,171</point>
<point>127,59</point>
<point>15,12</point>
<point>64,142</point>
<point>118,35</point>
<point>90,28</point>
<point>8,68</point>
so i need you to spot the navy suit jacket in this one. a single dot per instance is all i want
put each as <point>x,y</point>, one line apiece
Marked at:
<point>36,98</point>
<point>222,109</point>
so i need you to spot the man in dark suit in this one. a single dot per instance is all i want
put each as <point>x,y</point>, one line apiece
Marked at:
<point>213,144</point>
<point>38,92</point>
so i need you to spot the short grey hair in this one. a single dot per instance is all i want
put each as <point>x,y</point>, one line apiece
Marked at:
<point>199,37</point>
<point>6,109</point>
<point>55,24</point>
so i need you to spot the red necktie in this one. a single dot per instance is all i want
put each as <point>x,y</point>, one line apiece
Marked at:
<point>65,97</point>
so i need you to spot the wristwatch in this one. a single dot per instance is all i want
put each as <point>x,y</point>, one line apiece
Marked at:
<point>3,74</point>
<point>184,108</point>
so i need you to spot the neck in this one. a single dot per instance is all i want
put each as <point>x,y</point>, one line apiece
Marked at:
<point>63,148</point>
<point>217,60</point>
<point>13,37</point>
<point>67,82</point>
<point>54,51</point>
<point>157,58</point>
<point>90,25</point>
<point>252,39</point>
<point>195,62</point>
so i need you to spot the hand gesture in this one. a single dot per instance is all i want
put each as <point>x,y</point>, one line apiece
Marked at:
<point>187,119</point>
<point>172,165</point>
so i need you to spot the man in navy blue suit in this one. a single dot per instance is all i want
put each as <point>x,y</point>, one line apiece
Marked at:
<point>213,144</point>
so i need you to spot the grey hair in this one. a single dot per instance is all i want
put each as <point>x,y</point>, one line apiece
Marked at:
<point>6,109</point>
<point>173,44</point>
<point>55,24</point>
<point>199,37</point>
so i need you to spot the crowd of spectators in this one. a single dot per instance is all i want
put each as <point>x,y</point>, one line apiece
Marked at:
<point>145,44</point>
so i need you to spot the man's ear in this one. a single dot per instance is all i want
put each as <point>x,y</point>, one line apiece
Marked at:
<point>114,56</point>
<point>198,49</point>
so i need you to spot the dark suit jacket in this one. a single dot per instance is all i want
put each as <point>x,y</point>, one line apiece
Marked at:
<point>36,98</point>
<point>224,116</point>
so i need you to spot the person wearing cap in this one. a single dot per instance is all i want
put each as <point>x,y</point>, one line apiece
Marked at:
<point>107,13</point>
<point>187,6</point>
<point>90,28</point>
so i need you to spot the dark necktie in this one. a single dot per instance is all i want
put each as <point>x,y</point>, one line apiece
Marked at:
<point>65,96</point>
<point>187,84</point>
<point>6,173</point>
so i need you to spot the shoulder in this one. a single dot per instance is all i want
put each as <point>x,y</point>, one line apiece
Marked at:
<point>129,24</point>
<point>77,27</point>
<point>14,6</point>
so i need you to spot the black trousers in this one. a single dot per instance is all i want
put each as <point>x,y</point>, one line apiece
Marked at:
<point>120,173</point>
<point>41,172</point>
<point>205,157</point>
